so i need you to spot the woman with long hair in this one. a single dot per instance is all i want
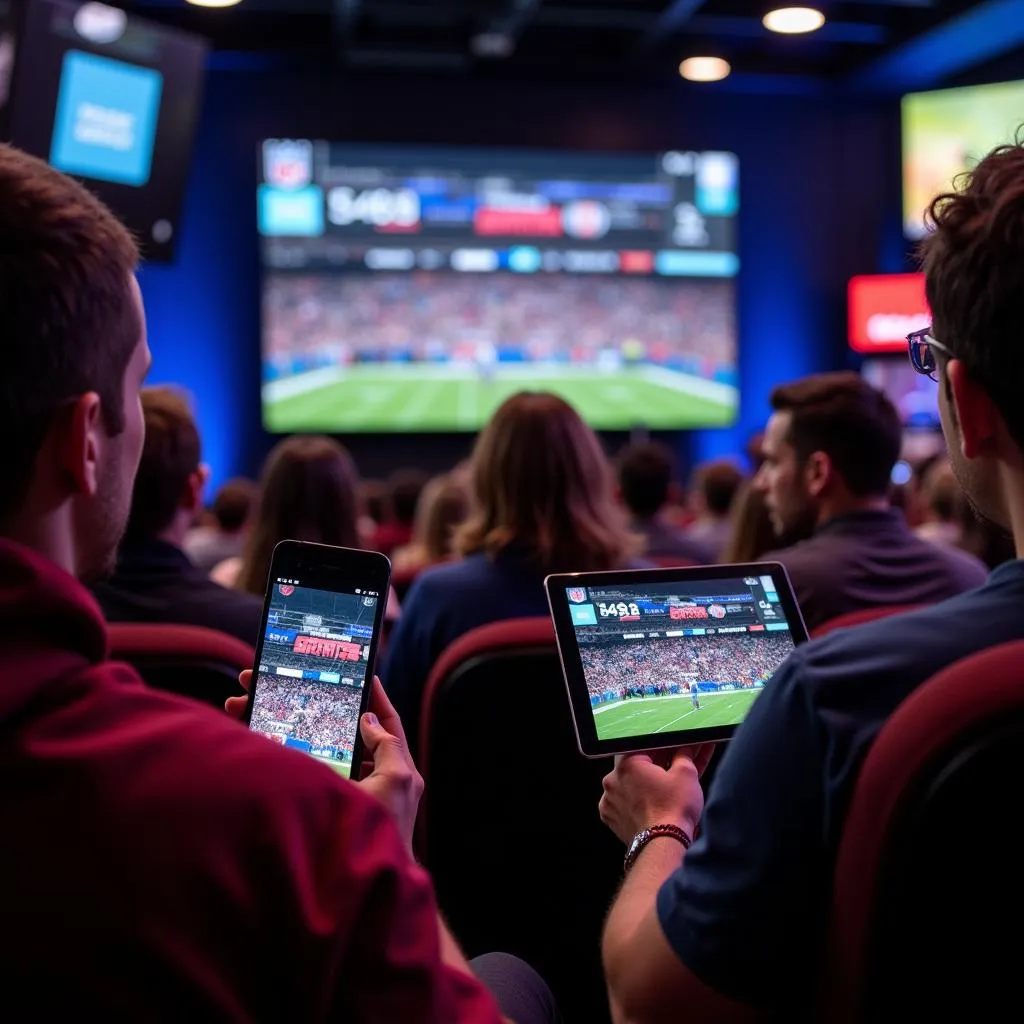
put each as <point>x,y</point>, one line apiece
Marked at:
<point>308,491</point>
<point>752,535</point>
<point>443,507</point>
<point>543,501</point>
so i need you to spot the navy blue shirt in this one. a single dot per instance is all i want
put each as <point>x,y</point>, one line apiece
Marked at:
<point>155,582</point>
<point>747,910</point>
<point>443,604</point>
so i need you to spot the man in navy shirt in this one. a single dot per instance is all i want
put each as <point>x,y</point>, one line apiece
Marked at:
<point>828,452</point>
<point>733,933</point>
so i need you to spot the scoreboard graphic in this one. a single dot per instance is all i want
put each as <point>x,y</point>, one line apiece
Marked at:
<point>412,288</point>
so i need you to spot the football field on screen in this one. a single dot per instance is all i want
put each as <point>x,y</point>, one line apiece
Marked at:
<point>429,398</point>
<point>641,716</point>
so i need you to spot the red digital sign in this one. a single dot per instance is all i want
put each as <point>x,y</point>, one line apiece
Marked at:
<point>884,309</point>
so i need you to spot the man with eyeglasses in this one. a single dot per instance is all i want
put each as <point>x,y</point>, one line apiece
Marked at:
<point>731,928</point>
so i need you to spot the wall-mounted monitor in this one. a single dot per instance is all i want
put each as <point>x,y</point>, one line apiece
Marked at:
<point>883,309</point>
<point>111,99</point>
<point>946,133</point>
<point>413,289</point>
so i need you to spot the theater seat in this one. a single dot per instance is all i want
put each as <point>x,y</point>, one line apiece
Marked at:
<point>191,661</point>
<point>929,887</point>
<point>859,618</point>
<point>509,827</point>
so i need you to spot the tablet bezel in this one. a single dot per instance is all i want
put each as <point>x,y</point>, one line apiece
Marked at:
<point>572,666</point>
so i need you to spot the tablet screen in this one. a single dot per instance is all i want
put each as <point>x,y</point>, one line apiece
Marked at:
<point>661,657</point>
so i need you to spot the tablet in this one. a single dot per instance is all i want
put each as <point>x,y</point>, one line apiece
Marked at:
<point>663,657</point>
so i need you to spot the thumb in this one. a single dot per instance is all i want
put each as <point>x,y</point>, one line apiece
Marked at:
<point>381,745</point>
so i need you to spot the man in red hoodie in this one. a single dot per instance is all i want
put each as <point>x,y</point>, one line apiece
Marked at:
<point>159,861</point>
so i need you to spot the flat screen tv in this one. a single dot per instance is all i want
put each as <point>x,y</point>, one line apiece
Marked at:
<point>946,133</point>
<point>109,98</point>
<point>413,289</point>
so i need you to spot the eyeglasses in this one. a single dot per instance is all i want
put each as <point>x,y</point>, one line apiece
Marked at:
<point>922,348</point>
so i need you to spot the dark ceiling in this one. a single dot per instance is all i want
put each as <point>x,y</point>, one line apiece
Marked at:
<point>868,45</point>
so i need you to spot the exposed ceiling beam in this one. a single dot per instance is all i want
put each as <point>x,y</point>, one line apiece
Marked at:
<point>669,21</point>
<point>593,17</point>
<point>726,25</point>
<point>983,32</point>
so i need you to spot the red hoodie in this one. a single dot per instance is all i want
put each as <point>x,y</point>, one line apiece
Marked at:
<point>160,862</point>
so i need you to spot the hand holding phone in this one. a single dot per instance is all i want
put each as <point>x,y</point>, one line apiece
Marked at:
<point>322,622</point>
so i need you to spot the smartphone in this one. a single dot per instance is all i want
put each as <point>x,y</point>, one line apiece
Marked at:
<point>317,648</point>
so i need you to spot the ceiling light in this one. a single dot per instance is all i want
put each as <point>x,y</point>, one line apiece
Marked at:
<point>792,21</point>
<point>704,69</point>
<point>213,3</point>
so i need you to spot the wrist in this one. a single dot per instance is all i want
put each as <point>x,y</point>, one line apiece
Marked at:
<point>662,832</point>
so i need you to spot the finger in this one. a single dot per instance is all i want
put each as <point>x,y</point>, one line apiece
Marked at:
<point>235,706</point>
<point>624,760</point>
<point>385,711</point>
<point>386,749</point>
<point>702,757</point>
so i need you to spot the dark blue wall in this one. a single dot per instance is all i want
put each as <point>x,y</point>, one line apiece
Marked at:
<point>820,202</point>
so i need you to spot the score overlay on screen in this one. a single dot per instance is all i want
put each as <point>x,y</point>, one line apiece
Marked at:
<point>412,289</point>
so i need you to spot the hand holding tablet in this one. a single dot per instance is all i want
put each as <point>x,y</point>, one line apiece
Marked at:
<point>658,658</point>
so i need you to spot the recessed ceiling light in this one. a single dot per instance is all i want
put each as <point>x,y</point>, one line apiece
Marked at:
<point>704,69</point>
<point>213,3</point>
<point>793,21</point>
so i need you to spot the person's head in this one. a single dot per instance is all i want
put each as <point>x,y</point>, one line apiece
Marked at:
<point>752,534</point>
<point>974,280</point>
<point>73,354</point>
<point>942,494</point>
<point>404,489</point>
<point>443,507</point>
<point>714,487</point>
<point>829,448</point>
<point>373,501</point>
<point>233,504</point>
<point>169,484</point>
<point>542,483</point>
<point>645,474</point>
<point>308,491</point>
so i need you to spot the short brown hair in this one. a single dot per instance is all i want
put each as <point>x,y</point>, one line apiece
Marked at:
<point>68,320</point>
<point>974,277</point>
<point>854,424</point>
<point>645,477</point>
<point>170,455</point>
<point>309,491</point>
<point>233,503</point>
<point>718,483</point>
<point>542,483</point>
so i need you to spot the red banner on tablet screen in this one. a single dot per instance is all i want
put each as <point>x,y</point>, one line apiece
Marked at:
<point>884,309</point>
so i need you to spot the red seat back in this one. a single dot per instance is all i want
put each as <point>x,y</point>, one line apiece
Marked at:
<point>192,661</point>
<point>509,822</point>
<point>928,870</point>
<point>860,618</point>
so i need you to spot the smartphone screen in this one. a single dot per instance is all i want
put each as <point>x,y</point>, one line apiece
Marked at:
<point>314,663</point>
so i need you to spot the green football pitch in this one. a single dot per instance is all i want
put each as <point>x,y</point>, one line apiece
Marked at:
<point>641,716</point>
<point>428,398</point>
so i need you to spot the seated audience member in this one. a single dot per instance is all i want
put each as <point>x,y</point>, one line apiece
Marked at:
<point>752,532</point>
<point>544,503</point>
<point>308,491</point>
<point>732,929</point>
<point>404,490</point>
<point>645,483</point>
<point>161,862</point>
<point>942,507</point>
<point>711,495</point>
<point>829,450</point>
<point>209,545</point>
<point>154,580</point>
<point>373,508</point>
<point>443,507</point>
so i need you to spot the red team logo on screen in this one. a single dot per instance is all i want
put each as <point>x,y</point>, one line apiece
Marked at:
<point>577,595</point>
<point>287,163</point>
<point>586,219</point>
<point>716,611</point>
<point>286,589</point>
